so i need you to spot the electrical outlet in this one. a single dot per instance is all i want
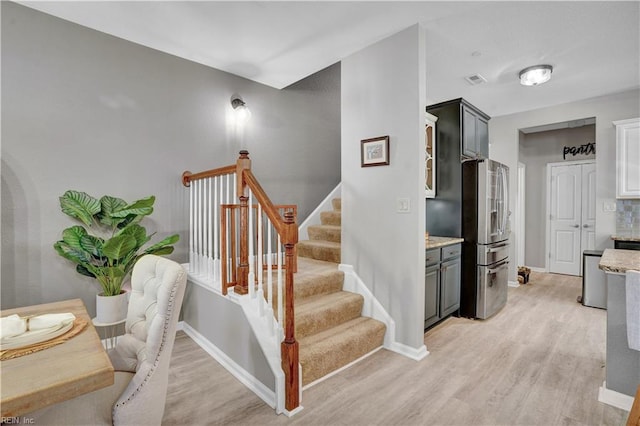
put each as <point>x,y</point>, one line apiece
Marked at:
<point>609,206</point>
<point>403,205</point>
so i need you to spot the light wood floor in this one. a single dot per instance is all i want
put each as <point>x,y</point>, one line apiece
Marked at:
<point>539,361</point>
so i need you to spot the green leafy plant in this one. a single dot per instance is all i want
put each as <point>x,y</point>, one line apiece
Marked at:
<point>109,255</point>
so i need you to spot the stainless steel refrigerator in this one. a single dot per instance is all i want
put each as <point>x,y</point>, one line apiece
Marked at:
<point>485,229</point>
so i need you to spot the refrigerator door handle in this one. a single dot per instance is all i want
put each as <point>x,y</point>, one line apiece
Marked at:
<point>504,195</point>
<point>502,265</point>
<point>506,199</point>
<point>497,248</point>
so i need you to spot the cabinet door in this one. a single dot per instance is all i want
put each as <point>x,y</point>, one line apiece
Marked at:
<point>430,157</point>
<point>469,148</point>
<point>627,154</point>
<point>431,295</point>
<point>450,283</point>
<point>482,137</point>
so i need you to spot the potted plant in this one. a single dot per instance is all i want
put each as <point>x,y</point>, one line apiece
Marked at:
<point>109,253</point>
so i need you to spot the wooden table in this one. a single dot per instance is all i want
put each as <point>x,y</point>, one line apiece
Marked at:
<point>75,367</point>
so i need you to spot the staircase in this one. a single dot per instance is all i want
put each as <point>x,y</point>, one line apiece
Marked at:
<point>329,326</point>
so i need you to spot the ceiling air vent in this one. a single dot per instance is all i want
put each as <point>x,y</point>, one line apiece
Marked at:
<point>475,79</point>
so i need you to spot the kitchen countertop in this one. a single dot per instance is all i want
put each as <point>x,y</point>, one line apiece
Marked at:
<point>435,242</point>
<point>616,260</point>
<point>625,237</point>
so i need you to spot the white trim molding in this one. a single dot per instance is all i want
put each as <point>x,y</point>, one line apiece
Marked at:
<point>515,284</point>
<point>257,387</point>
<point>372,308</point>
<point>314,217</point>
<point>613,398</point>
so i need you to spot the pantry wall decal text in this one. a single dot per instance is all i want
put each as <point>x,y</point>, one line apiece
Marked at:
<point>585,149</point>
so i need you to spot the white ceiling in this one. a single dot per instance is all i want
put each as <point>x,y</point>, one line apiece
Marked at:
<point>593,46</point>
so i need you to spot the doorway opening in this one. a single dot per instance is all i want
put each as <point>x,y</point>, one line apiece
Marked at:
<point>540,147</point>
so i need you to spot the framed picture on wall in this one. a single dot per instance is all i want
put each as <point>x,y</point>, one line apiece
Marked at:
<point>374,151</point>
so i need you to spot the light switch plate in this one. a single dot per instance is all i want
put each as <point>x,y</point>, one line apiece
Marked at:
<point>403,205</point>
<point>609,206</point>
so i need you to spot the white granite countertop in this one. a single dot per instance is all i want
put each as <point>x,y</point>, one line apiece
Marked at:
<point>617,260</point>
<point>435,242</point>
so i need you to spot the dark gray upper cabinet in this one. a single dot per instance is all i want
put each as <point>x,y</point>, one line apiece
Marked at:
<point>469,126</point>
<point>461,133</point>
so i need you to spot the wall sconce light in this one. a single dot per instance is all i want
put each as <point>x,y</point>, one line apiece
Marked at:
<point>242,111</point>
<point>537,74</point>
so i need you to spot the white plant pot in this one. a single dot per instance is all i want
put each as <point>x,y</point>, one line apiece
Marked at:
<point>111,309</point>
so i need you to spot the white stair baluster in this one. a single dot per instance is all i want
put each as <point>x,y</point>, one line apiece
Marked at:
<point>280,334</point>
<point>216,235</point>
<point>260,295</point>
<point>210,232</point>
<point>269,279</point>
<point>191,212</point>
<point>251,278</point>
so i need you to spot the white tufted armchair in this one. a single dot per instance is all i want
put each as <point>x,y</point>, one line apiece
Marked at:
<point>141,357</point>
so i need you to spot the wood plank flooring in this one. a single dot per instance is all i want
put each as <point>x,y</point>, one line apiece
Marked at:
<point>540,361</point>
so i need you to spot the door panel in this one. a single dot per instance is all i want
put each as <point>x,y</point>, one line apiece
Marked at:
<point>469,147</point>
<point>566,193</point>
<point>572,216</point>
<point>450,278</point>
<point>431,295</point>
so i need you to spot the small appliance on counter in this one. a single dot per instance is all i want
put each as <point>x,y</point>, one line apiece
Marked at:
<point>485,229</point>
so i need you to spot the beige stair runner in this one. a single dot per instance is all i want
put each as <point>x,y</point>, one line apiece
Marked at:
<point>329,326</point>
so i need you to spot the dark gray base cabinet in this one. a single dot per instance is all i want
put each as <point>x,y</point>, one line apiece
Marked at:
<point>442,283</point>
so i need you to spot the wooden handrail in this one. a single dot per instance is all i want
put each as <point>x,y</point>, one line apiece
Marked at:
<point>188,177</point>
<point>288,230</point>
<point>267,206</point>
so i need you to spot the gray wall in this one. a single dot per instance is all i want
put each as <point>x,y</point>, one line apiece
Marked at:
<point>504,135</point>
<point>536,151</point>
<point>224,324</point>
<point>88,111</point>
<point>383,93</point>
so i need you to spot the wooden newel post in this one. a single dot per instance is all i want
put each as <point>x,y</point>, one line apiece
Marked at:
<point>289,346</point>
<point>243,163</point>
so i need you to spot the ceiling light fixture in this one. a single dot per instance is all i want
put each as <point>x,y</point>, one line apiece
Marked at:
<point>241,109</point>
<point>537,74</point>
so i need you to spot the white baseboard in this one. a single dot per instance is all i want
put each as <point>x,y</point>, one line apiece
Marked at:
<point>537,269</point>
<point>514,284</point>
<point>613,398</point>
<point>372,308</point>
<point>257,387</point>
<point>416,354</point>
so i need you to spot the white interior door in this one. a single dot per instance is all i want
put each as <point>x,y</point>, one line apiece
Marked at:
<point>565,220</point>
<point>572,218</point>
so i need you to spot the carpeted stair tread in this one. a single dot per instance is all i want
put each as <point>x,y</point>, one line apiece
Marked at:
<point>328,251</point>
<point>337,203</point>
<point>325,232</point>
<point>319,313</point>
<point>331,217</point>
<point>327,351</point>
<point>314,277</point>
